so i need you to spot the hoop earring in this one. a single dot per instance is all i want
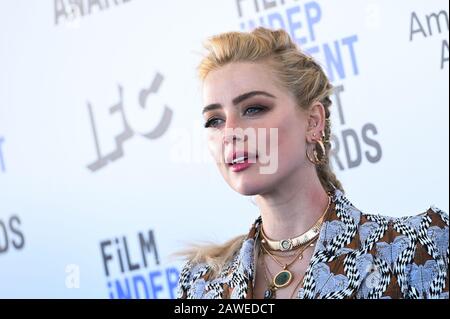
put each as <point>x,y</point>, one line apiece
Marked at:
<point>316,160</point>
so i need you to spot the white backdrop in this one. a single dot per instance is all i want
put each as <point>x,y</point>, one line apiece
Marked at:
<point>103,166</point>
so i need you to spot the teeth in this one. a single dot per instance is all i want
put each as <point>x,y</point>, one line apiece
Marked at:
<point>239,160</point>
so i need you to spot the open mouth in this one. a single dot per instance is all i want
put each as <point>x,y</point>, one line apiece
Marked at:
<point>241,163</point>
<point>241,159</point>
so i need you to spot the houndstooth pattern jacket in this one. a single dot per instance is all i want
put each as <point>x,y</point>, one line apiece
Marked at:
<point>357,255</point>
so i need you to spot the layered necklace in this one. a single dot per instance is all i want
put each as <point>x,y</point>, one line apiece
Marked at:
<point>296,245</point>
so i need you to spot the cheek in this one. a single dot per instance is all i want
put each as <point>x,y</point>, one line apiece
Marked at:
<point>291,140</point>
<point>291,136</point>
<point>292,151</point>
<point>215,146</point>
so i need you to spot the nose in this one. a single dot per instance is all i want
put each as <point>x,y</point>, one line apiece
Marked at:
<point>229,138</point>
<point>232,135</point>
<point>230,132</point>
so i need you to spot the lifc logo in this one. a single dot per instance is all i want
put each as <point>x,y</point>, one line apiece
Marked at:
<point>127,132</point>
<point>70,10</point>
<point>134,271</point>
<point>2,158</point>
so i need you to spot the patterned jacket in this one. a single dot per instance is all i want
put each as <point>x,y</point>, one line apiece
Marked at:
<point>357,255</point>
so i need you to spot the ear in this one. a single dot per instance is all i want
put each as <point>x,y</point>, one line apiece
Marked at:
<point>316,122</point>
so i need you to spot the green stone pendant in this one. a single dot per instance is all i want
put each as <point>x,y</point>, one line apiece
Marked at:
<point>282,279</point>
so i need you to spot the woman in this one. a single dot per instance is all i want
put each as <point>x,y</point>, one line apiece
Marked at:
<point>309,241</point>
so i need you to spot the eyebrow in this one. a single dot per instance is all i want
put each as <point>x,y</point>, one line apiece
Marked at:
<point>237,100</point>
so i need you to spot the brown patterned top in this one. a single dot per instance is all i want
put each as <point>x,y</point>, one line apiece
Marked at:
<point>357,255</point>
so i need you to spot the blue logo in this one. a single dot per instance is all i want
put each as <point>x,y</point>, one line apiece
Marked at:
<point>301,22</point>
<point>136,273</point>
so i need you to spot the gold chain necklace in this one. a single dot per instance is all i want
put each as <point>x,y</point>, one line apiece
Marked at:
<point>284,277</point>
<point>291,243</point>
<point>270,292</point>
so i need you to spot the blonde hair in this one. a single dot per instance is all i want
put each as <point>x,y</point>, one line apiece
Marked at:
<point>215,255</point>
<point>293,70</point>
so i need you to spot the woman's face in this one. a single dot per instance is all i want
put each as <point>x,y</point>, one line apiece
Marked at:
<point>245,96</point>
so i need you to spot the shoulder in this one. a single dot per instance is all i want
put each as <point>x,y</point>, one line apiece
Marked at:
<point>190,273</point>
<point>428,228</point>
<point>205,277</point>
<point>412,251</point>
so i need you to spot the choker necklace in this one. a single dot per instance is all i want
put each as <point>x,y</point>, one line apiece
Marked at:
<point>291,243</point>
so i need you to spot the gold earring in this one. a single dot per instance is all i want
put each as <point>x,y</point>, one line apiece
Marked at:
<point>316,160</point>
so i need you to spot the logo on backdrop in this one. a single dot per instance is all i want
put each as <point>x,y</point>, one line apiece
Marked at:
<point>118,110</point>
<point>429,26</point>
<point>300,21</point>
<point>71,10</point>
<point>132,268</point>
<point>350,146</point>
<point>2,155</point>
<point>11,235</point>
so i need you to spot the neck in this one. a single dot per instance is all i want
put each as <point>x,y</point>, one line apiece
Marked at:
<point>293,206</point>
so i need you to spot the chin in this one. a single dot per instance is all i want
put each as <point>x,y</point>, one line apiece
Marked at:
<point>247,188</point>
<point>246,192</point>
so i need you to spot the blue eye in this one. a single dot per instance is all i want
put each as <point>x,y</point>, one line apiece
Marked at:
<point>254,108</point>
<point>211,122</point>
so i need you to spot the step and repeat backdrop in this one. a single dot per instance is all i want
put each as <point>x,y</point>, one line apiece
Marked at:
<point>104,171</point>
